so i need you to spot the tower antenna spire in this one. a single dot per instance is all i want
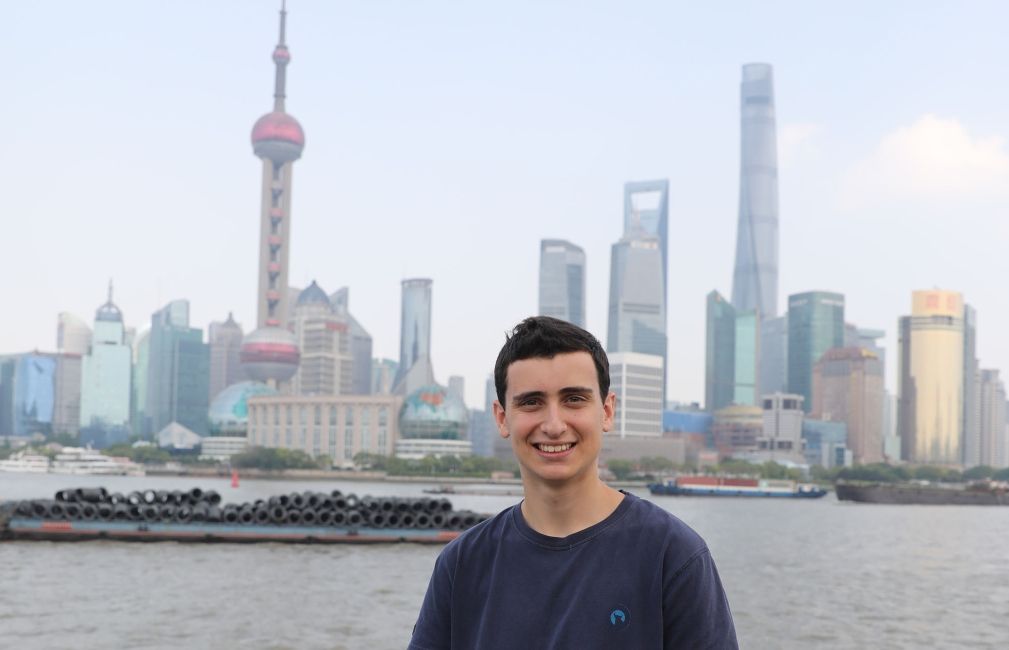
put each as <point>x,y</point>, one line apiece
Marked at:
<point>110,291</point>
<point>281,57</point>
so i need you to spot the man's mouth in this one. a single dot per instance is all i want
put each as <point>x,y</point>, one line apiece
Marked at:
<point>554,448</point>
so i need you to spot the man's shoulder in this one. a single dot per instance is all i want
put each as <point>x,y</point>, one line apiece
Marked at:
<point>657,525</point>
<point>485,535</point>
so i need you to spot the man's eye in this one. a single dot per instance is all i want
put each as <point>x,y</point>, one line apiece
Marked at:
<point>577,398</point>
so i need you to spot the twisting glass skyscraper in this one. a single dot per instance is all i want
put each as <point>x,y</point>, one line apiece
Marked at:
<point>755,279</point>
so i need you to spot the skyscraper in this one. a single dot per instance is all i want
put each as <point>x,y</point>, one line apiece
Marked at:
<point>178,371</point>
<point>638,265</point>
<point>815,324</point>
<point>646,215</point>
<point>562,281</point>
<point>323,336</point>
<point>720,353</point>
<point>755,279</point>
<point>971,391</point>
<point>773,366</point>
<point>415,370</point>
<point>360,343</point>
<point>73,336</point>
<point>635,379</point>
<point>105,378</point>
<point>848,387</point>
<point>732,352</point>
<point>992,419</point>
<point>637,310</point>
<point>225,341</point>
<point>269,353</point>
<point>930,406</point>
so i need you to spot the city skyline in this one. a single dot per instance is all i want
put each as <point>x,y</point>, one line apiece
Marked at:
<point>551,162</point>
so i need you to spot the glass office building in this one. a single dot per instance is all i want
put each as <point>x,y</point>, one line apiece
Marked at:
<point>178,371</point>
<point>415,368</point>
<point>562,281</point>
<point>638,273</point>
<point>106,373</point>
<point>815,325</point>
<point>930,406</point>
<point>732,355</point>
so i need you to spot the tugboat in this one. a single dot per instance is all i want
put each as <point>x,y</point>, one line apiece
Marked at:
<point>716,486</point>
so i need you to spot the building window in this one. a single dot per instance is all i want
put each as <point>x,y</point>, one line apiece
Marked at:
<point>382,441</point>
<point>290,415</point>
<point>383,416</point>
<point>318,415</point>
<point>276,414</point>
<point>316,442</point>
<point>289,438</point>
<point>332,446</point>
<point>332,416</point>
<point>302,414</point>
<point>348,419</point>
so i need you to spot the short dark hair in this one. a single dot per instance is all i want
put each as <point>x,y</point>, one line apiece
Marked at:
<point>544,337</point>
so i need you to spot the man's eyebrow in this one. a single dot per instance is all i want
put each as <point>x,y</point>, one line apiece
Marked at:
<point>521,397</point>
<point>575,390</point>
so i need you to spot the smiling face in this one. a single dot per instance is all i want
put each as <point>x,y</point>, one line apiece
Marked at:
<point>555,417</point>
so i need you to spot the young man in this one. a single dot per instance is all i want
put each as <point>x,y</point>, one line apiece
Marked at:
<point>576,564</point>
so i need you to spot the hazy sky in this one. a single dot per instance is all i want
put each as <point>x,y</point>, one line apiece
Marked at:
<point>445,139</point>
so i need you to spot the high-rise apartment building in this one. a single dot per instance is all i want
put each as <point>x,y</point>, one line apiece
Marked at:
<point>323,336</point>
<point>930,405</point>
<point>225,341</point>
<point>415,369</point>
<point>106,372</point>
<point>992,394</point>
<point>848,387</point>
<point>562,281</point>
<point>636,379</point>
<point>178,372</point>
<point>755,279</point>
<point>67,405</point>
<point>815,324</point>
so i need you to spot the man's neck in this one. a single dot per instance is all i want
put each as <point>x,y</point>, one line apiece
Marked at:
<point>562,510</point>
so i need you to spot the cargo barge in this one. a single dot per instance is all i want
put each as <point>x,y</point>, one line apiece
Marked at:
<point>196,516</point>
<point>976,494</point>
<point>716,486</point>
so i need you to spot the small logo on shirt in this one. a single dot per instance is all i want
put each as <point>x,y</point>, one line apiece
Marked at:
<point>620,617</point>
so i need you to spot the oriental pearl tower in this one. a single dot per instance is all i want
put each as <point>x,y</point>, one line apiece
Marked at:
<point>270,353</point>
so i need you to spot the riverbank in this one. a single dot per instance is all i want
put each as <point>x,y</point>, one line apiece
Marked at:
<point>344,475</point>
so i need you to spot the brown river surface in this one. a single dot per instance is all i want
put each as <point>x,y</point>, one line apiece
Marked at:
<point>799,574</point>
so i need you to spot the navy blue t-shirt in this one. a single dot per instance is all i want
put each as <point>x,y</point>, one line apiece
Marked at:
<point>639,579</point>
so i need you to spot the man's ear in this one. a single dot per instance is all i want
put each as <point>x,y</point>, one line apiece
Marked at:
<point>499,419</point>
<point>609,411</point>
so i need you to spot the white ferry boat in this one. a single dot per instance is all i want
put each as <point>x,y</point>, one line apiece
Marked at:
<point>78,460</point>
<point>24,462</point>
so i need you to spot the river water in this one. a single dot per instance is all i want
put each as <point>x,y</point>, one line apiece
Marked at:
<point>799,574</point>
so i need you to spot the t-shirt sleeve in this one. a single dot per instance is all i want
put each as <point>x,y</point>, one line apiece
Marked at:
<point>433,630</point>
<point>695,610</point>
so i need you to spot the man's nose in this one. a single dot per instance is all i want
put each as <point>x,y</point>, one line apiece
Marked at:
<point>554,424</point>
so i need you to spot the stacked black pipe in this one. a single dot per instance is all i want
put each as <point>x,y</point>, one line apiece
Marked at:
<point>295,509</point>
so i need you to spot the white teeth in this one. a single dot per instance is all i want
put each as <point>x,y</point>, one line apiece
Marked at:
<point>552,449</point>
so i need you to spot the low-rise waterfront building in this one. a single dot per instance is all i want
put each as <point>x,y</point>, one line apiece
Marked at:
<point>337,426</point>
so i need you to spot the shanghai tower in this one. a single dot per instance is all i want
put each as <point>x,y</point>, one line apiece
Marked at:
<point>755,279</point>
